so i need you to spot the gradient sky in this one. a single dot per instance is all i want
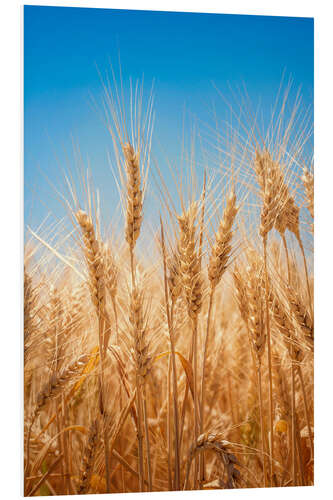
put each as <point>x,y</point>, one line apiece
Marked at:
<point>183,53</point>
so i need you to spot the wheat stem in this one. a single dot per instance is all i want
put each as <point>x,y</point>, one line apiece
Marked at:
<point>307,413</point>
<point>294,441</point>
<point>173,359</point>
<point>262,430</point>
<point>169,434</point>
<point>145,420</point>
<point>203,391</point>
<point>293,428</point>
<point>269,361</point>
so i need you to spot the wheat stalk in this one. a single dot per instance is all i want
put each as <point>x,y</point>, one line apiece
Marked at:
<point>96,268</point>
<point>88,459</point>
<point>249,296</point>
<point>190,266</point>
<point>218,263</point>
<point>214,441</point>
<point>134,195</point>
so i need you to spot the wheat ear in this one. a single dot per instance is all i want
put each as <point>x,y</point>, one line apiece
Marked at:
<point>111,283</point>
<point>217,266</point>
<point>93,256</point>
<point>57,383</point>
<point>88,459</point>
<point>222,248</point>
<point>190,261</point>
<point>190,265</point>
<point>303,319</point>
<point>280,210</point>
<point>30,299</point>
<point>134,195</point>
<point>175,290</point>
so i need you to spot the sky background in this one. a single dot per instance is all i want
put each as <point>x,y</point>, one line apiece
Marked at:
<point>66,48</point>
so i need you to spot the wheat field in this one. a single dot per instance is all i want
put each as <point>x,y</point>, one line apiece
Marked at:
<point>174,350</point>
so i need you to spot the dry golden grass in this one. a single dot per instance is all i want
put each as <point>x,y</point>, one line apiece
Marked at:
<point>186,367</point>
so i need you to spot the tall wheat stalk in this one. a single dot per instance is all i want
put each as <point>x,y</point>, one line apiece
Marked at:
<point>267,218</point>
<point>250,299</point>
<point>95,263</point>
<point>218,264</point>
<point>191,276</point>
<point>132,230</point>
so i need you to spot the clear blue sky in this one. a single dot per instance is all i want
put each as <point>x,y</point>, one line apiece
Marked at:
<point>182,52</point>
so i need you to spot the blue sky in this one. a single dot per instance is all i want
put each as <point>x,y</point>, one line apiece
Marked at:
<point>183,53</point>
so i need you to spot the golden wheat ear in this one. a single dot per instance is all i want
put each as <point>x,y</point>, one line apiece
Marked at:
<point>222,248</point>
<point>303,319</point>
<point>190,267</point>
<point>57,383</point>
<point>134,195</point>
<point>94,260</point>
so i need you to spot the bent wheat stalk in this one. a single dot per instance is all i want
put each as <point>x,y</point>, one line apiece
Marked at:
<point>214,441</point>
